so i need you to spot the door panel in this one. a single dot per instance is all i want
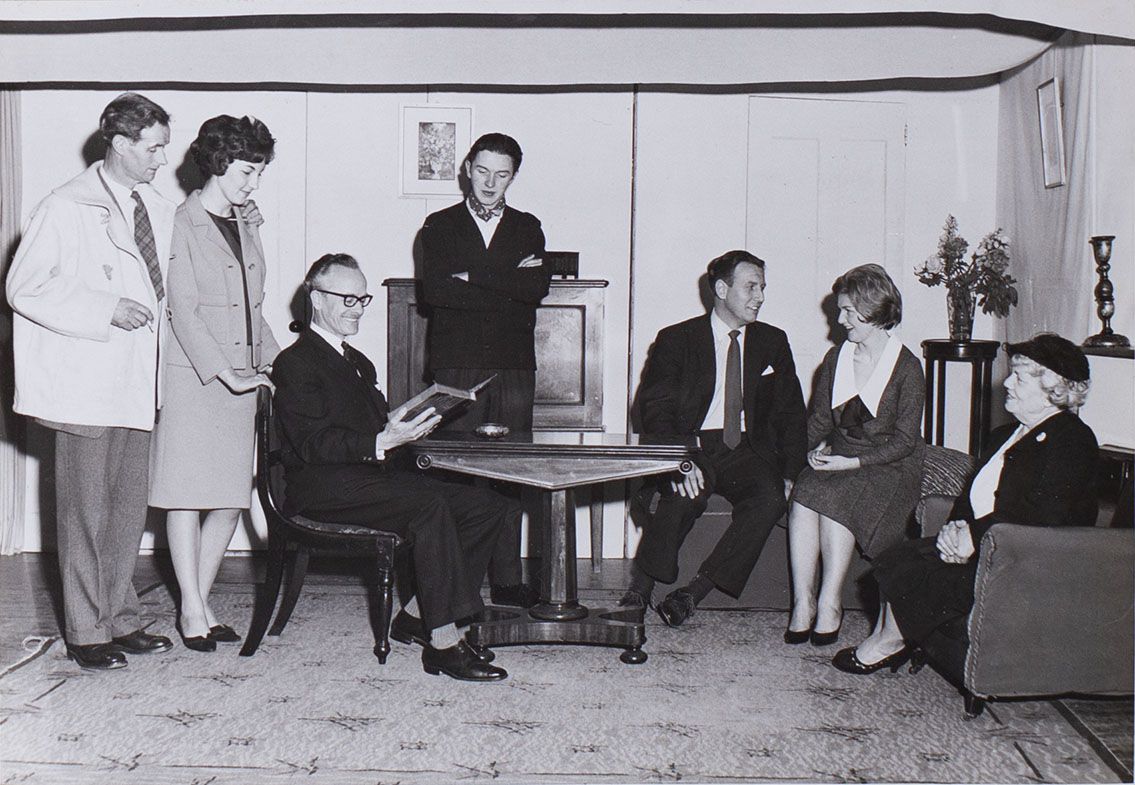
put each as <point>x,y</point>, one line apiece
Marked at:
<point>825,193</point>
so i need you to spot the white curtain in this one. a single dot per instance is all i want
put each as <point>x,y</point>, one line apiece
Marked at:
<point>1048,227</point>
<point>12,460</point>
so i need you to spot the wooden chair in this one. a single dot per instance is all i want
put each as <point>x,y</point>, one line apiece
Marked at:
<point>291,538</point>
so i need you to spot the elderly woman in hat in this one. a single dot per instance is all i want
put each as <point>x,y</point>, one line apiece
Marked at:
<point>1038,472</point>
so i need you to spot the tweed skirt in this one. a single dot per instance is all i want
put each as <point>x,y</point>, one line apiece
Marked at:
<point>203,443</point>
<point>873,502</point>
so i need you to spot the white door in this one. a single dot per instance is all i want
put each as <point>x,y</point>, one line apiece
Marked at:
<point>825,194</point>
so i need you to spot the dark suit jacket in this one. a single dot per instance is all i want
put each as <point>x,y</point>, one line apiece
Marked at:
<point>328,418</point>
<point>487,322</point>
<point>678,385</point>
<point>1048,478</point>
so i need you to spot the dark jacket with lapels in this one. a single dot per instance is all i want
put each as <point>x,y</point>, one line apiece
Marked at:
<point>489,320</point>
<point>1048,477</point>
<point>678,385</point>
<point>328,417</point>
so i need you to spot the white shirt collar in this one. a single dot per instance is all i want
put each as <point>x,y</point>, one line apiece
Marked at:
<point>721,330</point>
<point>843,388</point>
<point>335,341</point>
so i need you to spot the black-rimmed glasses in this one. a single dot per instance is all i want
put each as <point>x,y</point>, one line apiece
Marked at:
<point>349,300</point>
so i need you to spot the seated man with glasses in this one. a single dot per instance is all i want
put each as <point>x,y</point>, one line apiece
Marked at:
<point>342,464</point>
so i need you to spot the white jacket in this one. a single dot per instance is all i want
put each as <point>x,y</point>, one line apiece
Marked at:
<point>76,260</point>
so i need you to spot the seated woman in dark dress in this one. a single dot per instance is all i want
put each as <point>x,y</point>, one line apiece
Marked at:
<point>1038,473</point>
<point>865,453</point>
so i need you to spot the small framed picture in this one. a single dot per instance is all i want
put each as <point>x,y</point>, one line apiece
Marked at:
<point>1051,132</point>
<point>434,142</point>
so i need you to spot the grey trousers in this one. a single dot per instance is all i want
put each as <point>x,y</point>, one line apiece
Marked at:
<point>101,485</point>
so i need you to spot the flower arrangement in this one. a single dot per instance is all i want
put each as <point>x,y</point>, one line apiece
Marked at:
<point>980,280</point>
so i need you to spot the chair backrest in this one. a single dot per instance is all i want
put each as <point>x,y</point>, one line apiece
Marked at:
<point>271,485</point>
<point>269,470</point>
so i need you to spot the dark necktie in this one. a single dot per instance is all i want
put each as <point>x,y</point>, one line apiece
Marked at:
<point>361,364</point>
<point>731,433</point>
<point>144,239</point>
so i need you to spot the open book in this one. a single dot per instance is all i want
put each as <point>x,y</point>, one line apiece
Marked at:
<point>442,398</point>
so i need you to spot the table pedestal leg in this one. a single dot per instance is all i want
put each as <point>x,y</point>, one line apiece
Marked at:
<point>558,617</point>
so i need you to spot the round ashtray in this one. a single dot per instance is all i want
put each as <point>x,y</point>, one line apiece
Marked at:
<point>491,430</point>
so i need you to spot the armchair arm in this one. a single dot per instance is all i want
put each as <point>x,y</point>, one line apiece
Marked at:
<point>1052,612</point>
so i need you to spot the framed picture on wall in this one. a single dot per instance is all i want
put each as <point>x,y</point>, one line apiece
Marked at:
<point>1051,132</point>
<point>434,141</point>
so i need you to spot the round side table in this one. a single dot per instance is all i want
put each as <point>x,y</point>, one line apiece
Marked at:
<point>938,353</point>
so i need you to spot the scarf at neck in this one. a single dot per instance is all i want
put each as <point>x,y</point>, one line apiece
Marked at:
<point>485,213</point>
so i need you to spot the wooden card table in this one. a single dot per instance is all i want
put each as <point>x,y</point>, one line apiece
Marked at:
<point>555,463</point>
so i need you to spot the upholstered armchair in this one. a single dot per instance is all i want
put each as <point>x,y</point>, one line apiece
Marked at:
<point>1052,611</point>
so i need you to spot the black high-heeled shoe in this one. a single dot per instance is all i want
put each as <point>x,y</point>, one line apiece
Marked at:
<point>795,637</point>
<point>826,638</point>
<point>847,660</point>
<point>198,642</point>
<point>223,633</point>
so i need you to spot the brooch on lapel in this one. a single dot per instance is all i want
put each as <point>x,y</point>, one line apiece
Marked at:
<point>106,268</point>
<point>1041,436</point>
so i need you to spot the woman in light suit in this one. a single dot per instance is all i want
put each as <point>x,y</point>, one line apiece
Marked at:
<point>202,452</point>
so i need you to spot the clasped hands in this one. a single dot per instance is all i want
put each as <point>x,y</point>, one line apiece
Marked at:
<point>955,543</point>
<point>822,460</point>
<point>399,431</point>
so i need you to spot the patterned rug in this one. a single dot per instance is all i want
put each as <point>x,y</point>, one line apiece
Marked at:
<point>721,699</point>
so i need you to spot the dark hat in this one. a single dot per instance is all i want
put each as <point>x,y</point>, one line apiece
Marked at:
<point>1054,353</point>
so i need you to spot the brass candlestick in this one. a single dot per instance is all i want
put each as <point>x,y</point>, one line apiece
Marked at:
<point>1105,301</point>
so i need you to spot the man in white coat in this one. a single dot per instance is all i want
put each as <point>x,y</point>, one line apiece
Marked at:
<point>87,289</point>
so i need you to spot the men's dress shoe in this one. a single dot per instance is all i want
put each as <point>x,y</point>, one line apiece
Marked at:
<point>678,606</point>
<point>634,599</point>
<point>409,629</point>
<point>847,660</point>
<point>97,656</point>
<point>139,642</point>
<point>223,633</point>
<point>460,662</point>
<point>518,595</point>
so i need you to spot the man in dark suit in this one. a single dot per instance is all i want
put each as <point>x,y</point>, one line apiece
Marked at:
<point>482,278</point>
<point>342,464</point>
<point>730,380</point>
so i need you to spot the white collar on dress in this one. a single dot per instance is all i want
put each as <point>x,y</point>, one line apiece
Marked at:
<point>843,388</point>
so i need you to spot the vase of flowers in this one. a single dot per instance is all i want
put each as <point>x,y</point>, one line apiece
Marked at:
<point>980,280</point>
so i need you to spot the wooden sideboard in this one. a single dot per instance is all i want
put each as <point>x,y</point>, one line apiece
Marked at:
<point>569,351</point>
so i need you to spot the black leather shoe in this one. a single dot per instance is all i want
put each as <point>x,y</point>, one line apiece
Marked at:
<point>847,660</point>
<point>678,606</point>
<point>139,642</point>
<point>634,599</point>
<point>223,633</point>
<point>460,662</point>
<point>794,637</point>
<point>826,638</point>
<point>97,656</point>
<point>198,642</point>
<point>518,595</point>
<point>409,629</point>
